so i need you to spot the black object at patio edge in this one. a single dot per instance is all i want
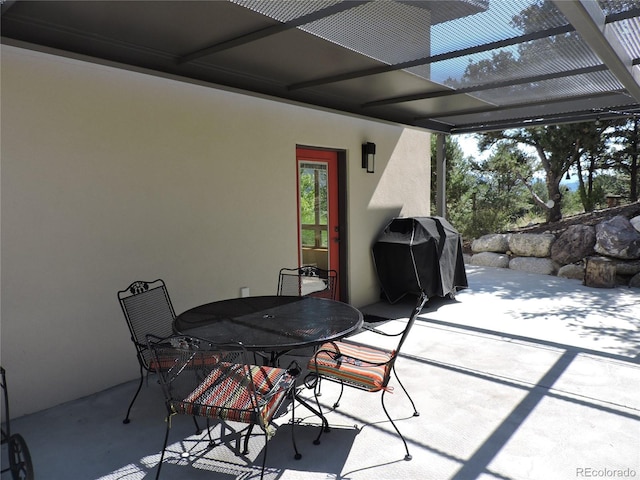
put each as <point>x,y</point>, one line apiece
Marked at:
<point>419,254</point>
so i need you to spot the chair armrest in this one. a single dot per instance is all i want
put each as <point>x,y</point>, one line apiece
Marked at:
<point>336,355</point>
<point>380,332</point>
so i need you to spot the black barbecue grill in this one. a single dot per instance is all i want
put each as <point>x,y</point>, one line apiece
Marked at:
<point>419,254</point>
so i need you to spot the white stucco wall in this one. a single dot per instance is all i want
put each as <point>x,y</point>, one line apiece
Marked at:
<point>110,176</point>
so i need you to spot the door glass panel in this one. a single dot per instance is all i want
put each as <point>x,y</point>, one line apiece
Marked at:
<point>308,238</point>
<point>314,212</point>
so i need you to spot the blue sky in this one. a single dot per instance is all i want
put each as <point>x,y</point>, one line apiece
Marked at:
<point>481,28</point>
<point>469,146</point>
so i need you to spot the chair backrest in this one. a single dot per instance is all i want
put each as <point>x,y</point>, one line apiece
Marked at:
<point>422,299</point>
<point>148,310</point>
<point>308,281</point>
<point>217,381</point>
<point>363,366</point>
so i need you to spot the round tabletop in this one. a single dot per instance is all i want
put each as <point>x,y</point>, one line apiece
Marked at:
<point>270,322</point>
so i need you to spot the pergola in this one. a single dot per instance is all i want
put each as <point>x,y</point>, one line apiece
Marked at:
<point>455,66</point>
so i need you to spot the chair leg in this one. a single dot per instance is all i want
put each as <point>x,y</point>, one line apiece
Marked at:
<point>126,419</point>
<point>415,410</point>
<point>198,430</point>
<point>325,423</point>
<point>246,440</point>
<point>337,402</point>
<point>164,447</point>
<point>264,455</point>
<point>211,442</point>
<point>406,448</point>
<point>298,455</point>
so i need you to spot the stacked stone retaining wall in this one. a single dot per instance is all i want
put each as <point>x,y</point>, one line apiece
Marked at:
<point>564,255</point>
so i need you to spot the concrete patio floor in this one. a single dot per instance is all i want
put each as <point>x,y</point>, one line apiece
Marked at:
<point>522,377</point>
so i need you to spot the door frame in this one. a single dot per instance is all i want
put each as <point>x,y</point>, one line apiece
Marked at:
<point>343,274</point>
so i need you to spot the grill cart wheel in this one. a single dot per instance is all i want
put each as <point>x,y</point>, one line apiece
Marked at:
<point>19,458</point>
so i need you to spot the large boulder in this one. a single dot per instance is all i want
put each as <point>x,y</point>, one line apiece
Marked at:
<point>576,243</point>
<point>618,238</point>
<point>543,266</point>
<point>494,242</point>
<point>531,244</point>
<point>635,221</point>
<point>635,281</point>
<point>490,259</point>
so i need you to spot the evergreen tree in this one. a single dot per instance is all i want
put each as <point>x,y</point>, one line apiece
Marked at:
<point>626,152</point>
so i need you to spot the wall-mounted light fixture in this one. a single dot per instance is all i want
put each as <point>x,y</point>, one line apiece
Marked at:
<point>368,156</point>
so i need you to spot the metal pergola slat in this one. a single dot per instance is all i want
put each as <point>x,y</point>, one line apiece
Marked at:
<point>383,59</point>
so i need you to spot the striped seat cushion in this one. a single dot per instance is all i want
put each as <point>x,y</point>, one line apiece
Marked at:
<point>225,393</point>
<point>166,362</point>
<point>360,366</point>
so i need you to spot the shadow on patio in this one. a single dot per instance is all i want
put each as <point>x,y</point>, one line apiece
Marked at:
<point>522,377</point>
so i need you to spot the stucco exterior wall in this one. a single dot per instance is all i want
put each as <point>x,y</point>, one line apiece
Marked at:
<point>110,176</point>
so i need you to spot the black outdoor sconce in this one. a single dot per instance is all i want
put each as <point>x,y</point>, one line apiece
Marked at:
<point>368,156</point>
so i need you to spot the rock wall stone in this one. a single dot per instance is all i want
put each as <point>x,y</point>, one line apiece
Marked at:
<point>490,259</point>
<point>531,244</point>
<point>494,242</point>
<point>628,268</point>
<point>543,266</point>
<point>574,244</point>
<point>618,238</point>
<point>573,270</point>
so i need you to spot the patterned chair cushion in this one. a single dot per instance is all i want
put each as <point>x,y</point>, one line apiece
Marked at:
<point>224,393</point>
<point>360,366</point>
<point>165,362</point>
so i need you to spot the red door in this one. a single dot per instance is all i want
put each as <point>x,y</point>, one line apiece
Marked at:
<point>318,219</point>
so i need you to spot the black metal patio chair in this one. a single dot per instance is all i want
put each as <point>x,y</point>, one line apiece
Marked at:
<point>308,280</point>
<point>364,367</point>
<point>147,309</point>
<point>218,382</point>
